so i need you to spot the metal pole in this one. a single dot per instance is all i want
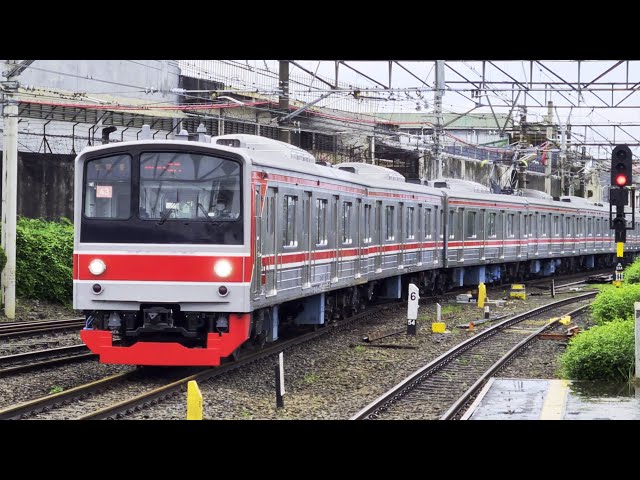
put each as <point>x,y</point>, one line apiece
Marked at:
<point>437,104</point>
<point>9,203</point>
<point>547,167</point>
<point>283,102</point>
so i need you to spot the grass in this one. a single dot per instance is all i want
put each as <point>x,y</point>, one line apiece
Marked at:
<point>450,309</point>
<point>55,389</point>
<point>359,348</point>
<point>310,378</point>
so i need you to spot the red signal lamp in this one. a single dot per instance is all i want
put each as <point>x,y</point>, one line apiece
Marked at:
<point>621,180</point>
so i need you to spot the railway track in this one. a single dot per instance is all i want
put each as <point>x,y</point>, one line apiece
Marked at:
<point>102,399</point>
<point>444,385</point>
<point>13,329</point>
<point>23,362</point>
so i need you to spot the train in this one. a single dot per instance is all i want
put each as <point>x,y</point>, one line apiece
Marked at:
<point>186,251</point>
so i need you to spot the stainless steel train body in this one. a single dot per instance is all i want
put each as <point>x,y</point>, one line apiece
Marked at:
<point>186,250</point>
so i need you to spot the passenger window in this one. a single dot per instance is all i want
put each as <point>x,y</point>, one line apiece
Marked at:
<point>491,225</point>
<point>452,227</point>
<point>389,223</point>
<point>471,224</point>
<point>427,224</point>
<point>510,219</point>
<point>410,223</point>
<point>556,226</point>
<point>367,224</point>
<point>543,226</point>
<point>290,203</point>
<point>321,213</point>
<point>346,222</point>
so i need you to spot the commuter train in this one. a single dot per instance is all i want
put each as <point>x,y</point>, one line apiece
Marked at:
<point>186,250</point>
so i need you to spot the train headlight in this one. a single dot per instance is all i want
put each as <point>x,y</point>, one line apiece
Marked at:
<point>223,268</point>
<point>97,266</point>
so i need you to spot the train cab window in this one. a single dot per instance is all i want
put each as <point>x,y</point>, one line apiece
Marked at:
<point>367,224</point>
<point>189,185</point>
<point>289,219</point>
<point>491,225</point>
<point>556,226</point>
<point>107,188</point>
<point>543,225</point>
<point>427,224</point>
<point>510,221</point>
<point>471,225</point>
<point>321,214</point>
<point>346,223</point>
<point>410,223</point>
<point>389,223</point>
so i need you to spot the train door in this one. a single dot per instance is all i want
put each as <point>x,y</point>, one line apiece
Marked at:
<point>401,233</point>
<point>257,228</point>
<point>358,239</point>
<point>503,232</point>
<point>482,234</point>
<point>307,240</point>
<point>379,237</point>
<point>420,233</point>
<point>271,240</point>
<point>335,237</point>
<point>459,214</point>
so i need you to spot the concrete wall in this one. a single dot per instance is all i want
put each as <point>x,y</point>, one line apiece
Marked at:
<point>120,78</point>
<point>45,185</point>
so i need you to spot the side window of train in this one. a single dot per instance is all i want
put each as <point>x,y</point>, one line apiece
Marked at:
<point>471,225</point>
<point>543,225</point>
<point>346,222</point>
<point>567,226</point>
<point>289,217</point>
<point>367,224</point>
<point>452,225</point>
<point>441,224</point>
<point>491,225</point>
<point>410,223</point>
<point>556,226</point>
<point>510,222</point>
<point>389,211</point>
<point>427,224</point>
<point>321,215</point>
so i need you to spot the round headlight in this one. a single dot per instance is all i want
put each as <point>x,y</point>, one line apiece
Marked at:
<point>97,266</point>
<point>223,268</point>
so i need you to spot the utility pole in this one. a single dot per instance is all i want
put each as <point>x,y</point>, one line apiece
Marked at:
<point>547,167</point>
<point>563,159</point>
<point>283,102</point>
<point>12,68</point>
<point>438,129</point>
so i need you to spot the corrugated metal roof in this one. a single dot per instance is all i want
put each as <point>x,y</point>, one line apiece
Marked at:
<point>471,120</point>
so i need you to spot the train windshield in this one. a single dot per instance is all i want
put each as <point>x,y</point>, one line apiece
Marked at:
<point>176,185</point>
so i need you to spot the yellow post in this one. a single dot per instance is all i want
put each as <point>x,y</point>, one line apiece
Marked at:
<point>620,249</point>
<point>194,401</point>
<point>482,294</point>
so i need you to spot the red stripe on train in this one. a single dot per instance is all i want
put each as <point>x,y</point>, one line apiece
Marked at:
<point>160,268</point>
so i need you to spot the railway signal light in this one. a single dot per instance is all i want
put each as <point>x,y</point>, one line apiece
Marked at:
<point>621,172</point>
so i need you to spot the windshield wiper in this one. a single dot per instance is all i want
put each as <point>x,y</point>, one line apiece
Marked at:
<point>165,215</point>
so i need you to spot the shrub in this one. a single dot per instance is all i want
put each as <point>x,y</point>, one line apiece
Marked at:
<point>604,352</point>
<point>3,259</point>
<point>632,272</point>
<point>615,302</point>
<point>44,259</point>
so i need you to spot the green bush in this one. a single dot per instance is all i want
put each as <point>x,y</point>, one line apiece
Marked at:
<point>604,352</point>
<point>615,302</point>
<point>3,259</point>
<point>632,272</point>
<point>44,259</point>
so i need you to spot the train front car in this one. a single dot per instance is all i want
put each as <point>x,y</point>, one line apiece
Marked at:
<point>162,262</point>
